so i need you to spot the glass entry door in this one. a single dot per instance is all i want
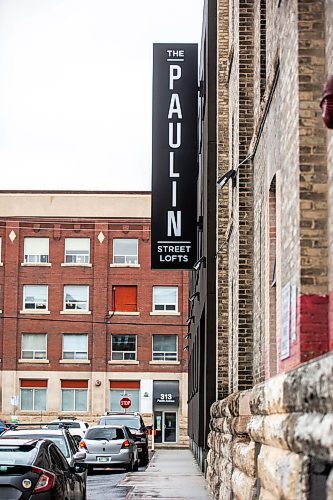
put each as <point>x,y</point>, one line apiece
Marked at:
<point>170,427</point>
<point>165,423</point>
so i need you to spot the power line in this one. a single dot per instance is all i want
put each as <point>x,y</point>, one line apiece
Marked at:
<point>92,322</point>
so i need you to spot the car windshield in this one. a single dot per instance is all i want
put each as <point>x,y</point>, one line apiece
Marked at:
<point>17,455</point>
<point>109,434</point>
<point>131,422</point>
<point>57,440</point>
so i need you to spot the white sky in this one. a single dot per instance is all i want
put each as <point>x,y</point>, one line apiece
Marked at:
<point>75,89</point>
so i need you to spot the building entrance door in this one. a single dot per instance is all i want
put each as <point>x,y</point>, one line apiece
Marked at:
<point>165,424</point>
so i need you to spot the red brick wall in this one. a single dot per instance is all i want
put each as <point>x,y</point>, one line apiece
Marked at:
<point>100,278</point>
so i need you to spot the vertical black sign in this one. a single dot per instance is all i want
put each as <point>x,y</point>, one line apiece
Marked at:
<point>174,176</point>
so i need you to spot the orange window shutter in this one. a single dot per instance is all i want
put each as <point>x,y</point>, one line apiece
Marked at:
<point>125,298</point>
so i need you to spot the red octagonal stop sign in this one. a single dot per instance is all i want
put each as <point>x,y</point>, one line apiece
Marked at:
<point>125,402</point>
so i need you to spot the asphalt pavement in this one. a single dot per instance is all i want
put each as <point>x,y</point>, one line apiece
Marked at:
<point>171,474</point>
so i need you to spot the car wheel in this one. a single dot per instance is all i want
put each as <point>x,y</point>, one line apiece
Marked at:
<point>130,467</point>
<point>144,460</point>
<point>136,466</point>
<point>90,469</point>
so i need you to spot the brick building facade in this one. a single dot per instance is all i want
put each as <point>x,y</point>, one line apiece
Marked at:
<point>84,319</point>
<point>271,434</point>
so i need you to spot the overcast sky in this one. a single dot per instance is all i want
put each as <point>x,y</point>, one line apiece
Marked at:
<point>75,89</point>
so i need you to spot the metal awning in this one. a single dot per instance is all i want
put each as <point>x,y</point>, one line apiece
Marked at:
<point>166,392</point>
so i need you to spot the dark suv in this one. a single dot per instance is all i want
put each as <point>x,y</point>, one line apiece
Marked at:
<point>137,427</point>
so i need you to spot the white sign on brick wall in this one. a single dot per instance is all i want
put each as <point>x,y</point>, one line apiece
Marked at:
<point>293,313</point>
<point>285,310</point>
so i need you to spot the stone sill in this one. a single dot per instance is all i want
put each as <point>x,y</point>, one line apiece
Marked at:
<point>124,313</point>
<point>36,264</point>
<point>75,361</point>
<point>164,362</point>
<point>137,266</point>
<point>73,264</point>
<point>34,311</point>
<point>75,312</point>
<point>164,313</point>
<point>124,362</point>
<point>34,361</point>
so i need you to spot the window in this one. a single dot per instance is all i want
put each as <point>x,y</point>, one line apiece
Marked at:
<point>124,388</point>
<point>165,347</point>
<point>36,250</point>
<point>124,347</point>
<point>75,346</point>
<point>77,250</point>
<point>74,395</point>
<point>35,297</point>
<point>125,251</point>
<point>76,297</point>
<point>33,395</point>
<point>124,298</point>
<point>165,298</point>
<point>33,346</point>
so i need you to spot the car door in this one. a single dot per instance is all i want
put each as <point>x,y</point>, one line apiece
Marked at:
<point>62,471</point>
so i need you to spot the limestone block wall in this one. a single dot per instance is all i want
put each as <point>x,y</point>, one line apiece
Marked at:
<point>275,441</point>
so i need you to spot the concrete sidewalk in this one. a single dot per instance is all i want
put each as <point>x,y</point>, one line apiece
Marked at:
<point>170,474</point>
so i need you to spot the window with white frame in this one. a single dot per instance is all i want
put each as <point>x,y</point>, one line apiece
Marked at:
<point>125,251</point>
<point>123,347</point>
<point>77,250</point>
<point>35,297</point>
<point>165,298</point>
<point>74,399</point>
<point>36,250</point>
<point>74,346</point>
<point>76,298</point>
<point>33,398</point>
<point>33,346</point>
<point>165,348</point>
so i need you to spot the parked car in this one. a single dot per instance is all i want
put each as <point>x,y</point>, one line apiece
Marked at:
<point>35,469</point>
<point>76,427</point>
<point>137,427</point>
<point>60,437</point>
<point>110,446</point>
<point>3,426</point>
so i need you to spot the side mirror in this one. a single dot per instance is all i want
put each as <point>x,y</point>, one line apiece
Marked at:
<point>78,468</point>
<point>79,456</point>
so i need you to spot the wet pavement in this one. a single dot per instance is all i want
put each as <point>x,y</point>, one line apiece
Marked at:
<point>171,474</point>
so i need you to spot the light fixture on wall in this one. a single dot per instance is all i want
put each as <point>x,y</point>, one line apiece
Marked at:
<point>193,296</point>
<point>199,263</point>
<point>146,395</point>
<point>226,177</point>
<point>98,383</point>
<point>189,320</point>
<point>189,335</point>
<point>186,348</point>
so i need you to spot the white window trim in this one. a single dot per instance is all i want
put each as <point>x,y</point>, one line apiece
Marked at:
<point>135,352</point>
<point>36,264</point>
<point>163,352</point>
<point>76,311</point>
<point>125,264</point>
<point>34,351</point>
<point>164,311</point>
<point>36,311</point>
<point>74,389</point>
<point>75,351</point>
<point>88,264</point>
<point>33,398</point>
<point>124,313</point>
<point>36,254</point>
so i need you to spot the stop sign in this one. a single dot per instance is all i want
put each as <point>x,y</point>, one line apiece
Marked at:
<point>125,402</point>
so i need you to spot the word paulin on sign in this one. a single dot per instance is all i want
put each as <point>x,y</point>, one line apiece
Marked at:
<point>174,173</point>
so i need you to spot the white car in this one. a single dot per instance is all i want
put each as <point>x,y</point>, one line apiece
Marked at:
<point>76,427</point>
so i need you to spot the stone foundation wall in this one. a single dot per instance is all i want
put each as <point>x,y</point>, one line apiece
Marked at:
<point>275,441</point>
